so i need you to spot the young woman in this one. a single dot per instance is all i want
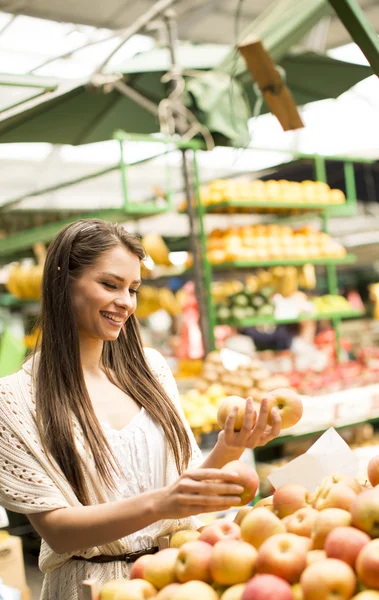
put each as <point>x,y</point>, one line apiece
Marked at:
<point>94,447</point>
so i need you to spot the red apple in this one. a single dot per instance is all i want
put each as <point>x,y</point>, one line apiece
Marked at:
<point>124,589</point>
<point>248,478</point>
<point>345,543</point>
<point>367,565</point>
<point>373,471</point>
<point>138,567</point>
<point>233,561</point>
<point>365,511</point>
<point>259,525</point>
<point>315,556</point>
<point>283,555</point>
<point>328,579</point>
<point>289,498</point>
<point>267,587</point>
<point>194,590</point>
<point>328,519</point>
<point>234,592</point>
<point>221,529</point>
<point>160,570</point>
<point>225,408</point>
<point>167,593</point>
<point>289,405</point>
<point>302,521</point>
<point>181,537</point>
<point>338,495</point>
<point>193,562</point>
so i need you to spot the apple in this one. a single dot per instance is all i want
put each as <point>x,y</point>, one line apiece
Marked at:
<point>193,562</point>
<point>348,480</point>
<point>181,537</point>
<point>124,589</point>
<point>314,556</point>
<point>373,471</point>
<point>338,495</point>
<point>225,408</point>
<point>232,561</point>
<point>138,567</point>
<point>160,570</point>
<point>328,519</point>
<point>302,521</point>
<point>167,592</point>
<point>328,579</point>
<point>266,503</point>
<point>248,478</point>
<point>284,555</point>
<point>259,525</point>
<point>345,543</point>
<point>297,591</point>
<point>221,529</point>
<point>242,514</point>
<point>367,565</point>
<point>267,587</point>
<point>365,511</point>
<point>234,592</point>
<point>289,498</point>
<point>367,595</point>
<point>195,590</point>
<point>289,405</point>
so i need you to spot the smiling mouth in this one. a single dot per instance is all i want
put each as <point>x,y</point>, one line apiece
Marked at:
<point>112,319</point>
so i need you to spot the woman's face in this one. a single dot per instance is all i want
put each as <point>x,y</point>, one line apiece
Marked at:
<point>105,294</point>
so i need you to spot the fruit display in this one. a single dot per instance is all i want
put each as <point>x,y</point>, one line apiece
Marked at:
<point>295,545</point>
<point>270,242</point>
<point>151,299</point>
<point>25,281</point>
<point>234,191</point>
<point>330,303</point>
<point>216,382</point>
<point>246,305</point>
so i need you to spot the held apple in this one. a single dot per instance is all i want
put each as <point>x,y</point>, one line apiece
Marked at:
<point>289,498</point>
<point>160,570</point>
<point>221,529</point>
<point>267,587</point>
<point>283,555</point>
<point>365,511</point>
<point>328,579</point>
<point>181,537</point>
<point>289,405</point>
<point>345,543</point>
<point>123,589</point>
<point>259,525</point>
<point>232,562</point>
<point>193,562</point>
<point>225,408</point>
<point>248,478</point>
<point>367,565</point>
<point>373,471</point>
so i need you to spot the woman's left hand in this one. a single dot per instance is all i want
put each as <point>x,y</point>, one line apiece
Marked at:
<point>255,430</point>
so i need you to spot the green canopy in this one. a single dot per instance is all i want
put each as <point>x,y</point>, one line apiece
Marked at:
<point>73,112</point>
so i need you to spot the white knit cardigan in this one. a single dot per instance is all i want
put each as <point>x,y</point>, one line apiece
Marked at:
<point>30,483</point>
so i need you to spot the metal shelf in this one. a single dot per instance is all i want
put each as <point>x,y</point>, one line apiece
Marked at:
<point>267,320</point>
<point>348,259</point>
<point>266,205</point>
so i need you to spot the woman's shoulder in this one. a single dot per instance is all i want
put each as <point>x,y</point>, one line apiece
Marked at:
<point>155,358</point>
<point>16,388</point>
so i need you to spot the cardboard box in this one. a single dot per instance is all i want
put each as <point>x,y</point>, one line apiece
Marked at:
<point>12,570</point>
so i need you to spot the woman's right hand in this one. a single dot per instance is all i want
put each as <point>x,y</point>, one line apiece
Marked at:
<point>199,491</point>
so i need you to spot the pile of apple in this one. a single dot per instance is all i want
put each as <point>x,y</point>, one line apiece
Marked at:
<point>292,546</point>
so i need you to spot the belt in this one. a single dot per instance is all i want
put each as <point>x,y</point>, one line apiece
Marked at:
<point>129,557</point>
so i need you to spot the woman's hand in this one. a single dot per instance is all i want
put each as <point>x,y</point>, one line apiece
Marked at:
<point>199,491</point>
<point>255,429</point>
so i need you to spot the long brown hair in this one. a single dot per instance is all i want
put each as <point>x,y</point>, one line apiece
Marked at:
<point>61,393</point>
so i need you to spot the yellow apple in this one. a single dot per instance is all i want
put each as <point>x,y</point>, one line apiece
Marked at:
<point>234,592</point>
<point>289,498</point>
<point>289,405</point>
<point>259,525</point>
<point>123,589</point>
<point>225,408</point>
<point>248,478</point>
<point>194,590</point>
<point>328,579</point>
<point>232,562</point>
<point>365,511</point>
<point>328,519</point>
<point>193,562</point>
<point>181,537</point>
<point>367,565</point>
<point>283,555</point>
<point>160,570</point>
<point>302,521</point>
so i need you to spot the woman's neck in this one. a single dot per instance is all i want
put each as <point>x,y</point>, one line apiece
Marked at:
<point>90,356</point>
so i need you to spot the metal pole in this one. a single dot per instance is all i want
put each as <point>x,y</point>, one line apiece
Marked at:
<point>137,26</point>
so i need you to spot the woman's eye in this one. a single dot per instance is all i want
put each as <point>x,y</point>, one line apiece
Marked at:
<point>134,292</point>
<point>110,286</point>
